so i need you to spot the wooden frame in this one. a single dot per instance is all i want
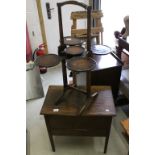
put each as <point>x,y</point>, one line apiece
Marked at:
<point>42,26</point>
<point>88,8</point>
<point>96,31</point>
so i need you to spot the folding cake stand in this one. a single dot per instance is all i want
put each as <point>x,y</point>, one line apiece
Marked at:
<point>67,118</point>
<point>71,54</point>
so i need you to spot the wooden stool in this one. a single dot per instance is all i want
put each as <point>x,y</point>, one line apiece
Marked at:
<point>96,31</point>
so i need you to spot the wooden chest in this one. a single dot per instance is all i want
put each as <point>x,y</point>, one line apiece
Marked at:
<point>65,119</point>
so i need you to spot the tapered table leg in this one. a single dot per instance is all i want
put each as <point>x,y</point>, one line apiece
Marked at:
<point>106,144</point>
<point>107,135</point>
<point>49,134</point>
<point>52,143</point>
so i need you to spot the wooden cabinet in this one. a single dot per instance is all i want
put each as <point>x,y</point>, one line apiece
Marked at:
<point>65,119</point>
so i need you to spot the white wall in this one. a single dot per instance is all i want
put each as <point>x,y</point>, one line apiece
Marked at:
<point>114,12</point>
<point>33,23</point>
<point>51,26</point>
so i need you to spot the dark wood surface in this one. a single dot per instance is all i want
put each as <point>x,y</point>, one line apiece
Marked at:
<point>65,119</point>
<point>71,41</point>
<point>107,72</point>
<point>48,60</point>
<point>74,50</point>
<point>81,64</point>
<point>74,100</point>
<point>106,61</point>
